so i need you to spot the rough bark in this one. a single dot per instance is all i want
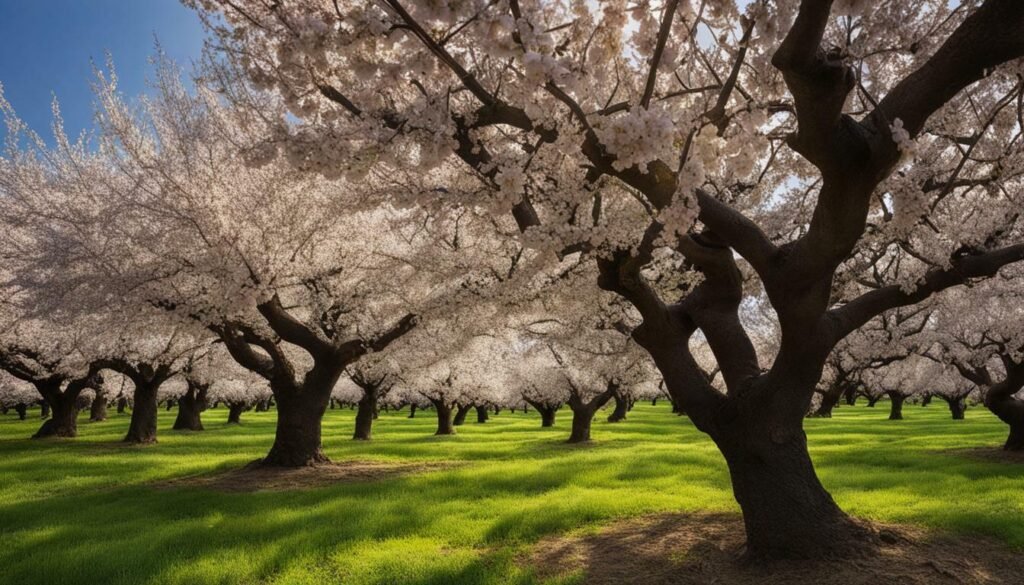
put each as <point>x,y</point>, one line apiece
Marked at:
<point>786,511</point>
<point>461,411</point>
<point>481,414</point>
<point>896,405</point>
<point>297,438</point>
<point>98,408</point>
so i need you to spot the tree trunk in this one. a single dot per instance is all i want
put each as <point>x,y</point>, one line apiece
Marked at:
<point>547,416</point>
<point>122,404</point>
<point>582,416</point>
<point>22,411</point>
<point>786,511</point>
<point>621,408</point>
<point>142,428</point>
<point>235,410</point>
<point>896,405</point>
<point>297,440</point>
<point>460,414</point>
<point>64,419</point>
<point>958,407</point>
<point>365,415</point>
<point>98,408</point>
<point>63,405</point>
<point>1001,400</point>
<point>44,409</point>
<point>872,401</point>
<point>444,418</point>
<point>829,399</point>
<point>189,408</point>
<point>481,414</point>
<point>926,400</point>
<point>170,404</point>
<point>851,395</point>
<point>412,410</point>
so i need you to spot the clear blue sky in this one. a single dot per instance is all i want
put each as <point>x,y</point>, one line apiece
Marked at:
<point>46,47</point>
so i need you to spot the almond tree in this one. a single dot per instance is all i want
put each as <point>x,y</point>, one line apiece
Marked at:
<point>778,130</point>
<point>984,343</point>
<point>298,275</point>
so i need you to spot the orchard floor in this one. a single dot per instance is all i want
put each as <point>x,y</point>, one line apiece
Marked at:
<point>479,507</point>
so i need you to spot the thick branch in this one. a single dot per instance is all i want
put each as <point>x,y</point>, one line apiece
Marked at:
<point>856,313</point>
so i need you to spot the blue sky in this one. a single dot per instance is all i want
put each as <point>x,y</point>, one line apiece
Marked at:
<point>46,47</point>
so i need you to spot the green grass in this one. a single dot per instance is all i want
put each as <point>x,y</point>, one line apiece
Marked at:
<point>81,510</point>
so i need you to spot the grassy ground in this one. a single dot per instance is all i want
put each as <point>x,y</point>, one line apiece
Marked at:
<point>81,510</point>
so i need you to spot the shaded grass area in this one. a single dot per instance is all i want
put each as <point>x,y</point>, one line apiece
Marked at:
<point>83,510</point>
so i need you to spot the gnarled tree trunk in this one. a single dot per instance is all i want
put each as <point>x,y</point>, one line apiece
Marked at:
<point>299,414</point>
<point>786,511</point>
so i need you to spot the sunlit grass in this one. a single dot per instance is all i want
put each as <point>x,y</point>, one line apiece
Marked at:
<point>82,510</point>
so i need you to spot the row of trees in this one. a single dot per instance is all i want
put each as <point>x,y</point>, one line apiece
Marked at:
<point>774,199</point>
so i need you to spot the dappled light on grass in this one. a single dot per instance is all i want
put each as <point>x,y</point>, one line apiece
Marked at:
<point>514,484</point>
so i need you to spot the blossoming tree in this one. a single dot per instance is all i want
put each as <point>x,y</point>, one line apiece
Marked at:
<point>782,129</point>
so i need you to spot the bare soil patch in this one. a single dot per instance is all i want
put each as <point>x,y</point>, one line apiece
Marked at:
<point>705,549</point>
<point>255,477</point>
<point>997,454</point>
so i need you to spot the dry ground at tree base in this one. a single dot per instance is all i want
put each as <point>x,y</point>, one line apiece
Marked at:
<point>255,477</point>
<point>704,549</point>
